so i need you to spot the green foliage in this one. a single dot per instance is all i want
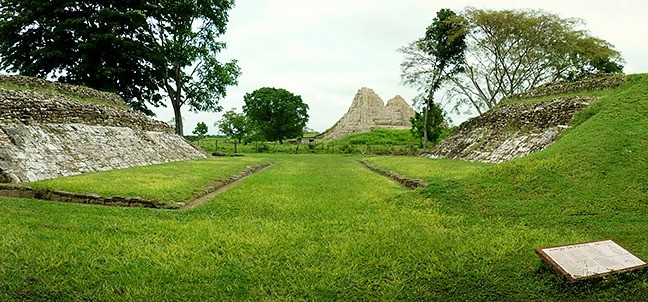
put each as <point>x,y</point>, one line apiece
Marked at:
<point>133,48</point>
<point>276,113</point>
<point>234,125</point>
<point>510,53</point>
<point>200,130</point>
<point>52,38</point>
<point>435,124</point>
<point>188,31</point>
<point>433,60</point>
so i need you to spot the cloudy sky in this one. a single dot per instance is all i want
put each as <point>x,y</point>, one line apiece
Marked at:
<point>325,51</point>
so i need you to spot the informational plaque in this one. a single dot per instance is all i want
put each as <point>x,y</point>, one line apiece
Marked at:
<point>582,261</point>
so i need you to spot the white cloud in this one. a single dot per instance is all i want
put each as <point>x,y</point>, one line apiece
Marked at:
<point>326,50</point>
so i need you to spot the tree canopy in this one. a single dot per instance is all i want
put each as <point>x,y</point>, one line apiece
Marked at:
<point>435,124</point>
<point>187,31</point>
<point>510,51</point>
<point>277,113</point>
<point>134,48</point>
<point>234,125</point>
<point>105,45</point>
<point>433,60</point>
<point>200,130</point>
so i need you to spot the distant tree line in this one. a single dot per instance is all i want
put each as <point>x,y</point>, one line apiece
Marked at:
<point>269,114</point>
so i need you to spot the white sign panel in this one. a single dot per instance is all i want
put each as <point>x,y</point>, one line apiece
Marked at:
<point>582,261</point>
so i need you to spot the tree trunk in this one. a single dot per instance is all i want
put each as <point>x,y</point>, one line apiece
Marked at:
<point>425,132</point>
<point>176,100</point>
<point>178,116</point>
<point>235,150</point>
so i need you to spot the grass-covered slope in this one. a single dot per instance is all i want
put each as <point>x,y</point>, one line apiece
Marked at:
<point>595,174</point>
<point>592,184</point>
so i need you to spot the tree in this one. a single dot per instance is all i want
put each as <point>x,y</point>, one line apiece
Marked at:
<point>104,45</point>
<point>200,131</point>
<point>277,113</point>
<point>135,48</point>
<point>434,59</point>
<point>511,51</point>
<point>234,125</point>
<point>435,124</point>
<point>187,31</point>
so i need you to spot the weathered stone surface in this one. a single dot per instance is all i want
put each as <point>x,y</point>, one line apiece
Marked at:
<point>368,111</point>
<point>593,82</point>
<point>511,131</point>
<point>29,107</point>
<point>61,88</point>
<point>45,136</point>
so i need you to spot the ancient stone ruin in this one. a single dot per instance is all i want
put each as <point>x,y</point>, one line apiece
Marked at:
<point>514,131</point>
<point>368,111</point>
<point>49,134</point>
<point>510,131</point>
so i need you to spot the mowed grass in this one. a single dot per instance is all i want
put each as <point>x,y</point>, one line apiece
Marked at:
<point>169,182</point>
<point>323,228</point>
<point>316,227</point>
<point>426,169</point>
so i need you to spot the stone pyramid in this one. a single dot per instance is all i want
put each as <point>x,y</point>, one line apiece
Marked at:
<point>368,111</point>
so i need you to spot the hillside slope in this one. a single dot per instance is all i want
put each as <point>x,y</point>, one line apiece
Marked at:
<point>600,166</point>
<point>591,184</point>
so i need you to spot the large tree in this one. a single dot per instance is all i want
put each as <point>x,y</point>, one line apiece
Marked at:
<point>105,45</point>
<point>276,113</point>
<point>187,32</point>
<point>433,60</point>
<point>511,51</point>
<point>134,48</point>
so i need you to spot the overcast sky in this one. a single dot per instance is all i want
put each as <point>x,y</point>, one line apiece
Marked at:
<point>325,51</point>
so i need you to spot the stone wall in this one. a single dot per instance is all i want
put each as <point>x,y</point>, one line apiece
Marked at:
<point>593,82</point>
<point>29,107</point>
<point>60,88</point>
<point>510,131</point>
<point>368,111</point>
<point>46,136</point>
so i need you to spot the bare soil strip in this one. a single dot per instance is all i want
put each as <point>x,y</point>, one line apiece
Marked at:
<point>407,182</point>
<point>211,190</point>
<point>220,186</point>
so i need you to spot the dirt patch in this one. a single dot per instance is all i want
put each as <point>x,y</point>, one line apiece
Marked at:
<point>211,190</point>
<point>407,182</point>
<point>223,185</point>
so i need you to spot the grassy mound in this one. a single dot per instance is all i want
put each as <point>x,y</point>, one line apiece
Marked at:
<point>590,185</point>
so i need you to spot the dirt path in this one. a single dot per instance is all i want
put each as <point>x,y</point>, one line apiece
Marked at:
<point>407,182</point>
<point>220,189</point>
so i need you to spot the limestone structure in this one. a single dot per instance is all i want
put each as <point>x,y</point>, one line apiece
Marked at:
<point>514,131</point>
<point>368,111</point>
<point>510,131</point>
<point>49,134</point>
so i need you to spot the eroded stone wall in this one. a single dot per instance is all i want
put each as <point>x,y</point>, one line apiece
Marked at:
<point>511,131</point>
<point>46,136</point>
<point>61,88</point>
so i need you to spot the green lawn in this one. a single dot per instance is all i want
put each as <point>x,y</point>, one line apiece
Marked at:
<point>169,182</point>
<point>322,227</point>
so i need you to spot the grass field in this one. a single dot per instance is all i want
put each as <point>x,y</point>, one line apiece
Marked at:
<point>170,182</point>
<point>322,227</point>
